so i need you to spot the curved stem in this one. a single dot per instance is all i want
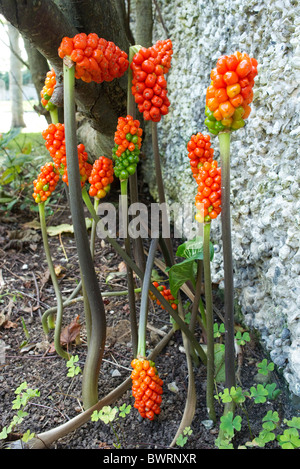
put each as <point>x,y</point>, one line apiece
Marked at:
<point>71,301</point>
<point>44,440</point>
<point>141,350</point>
<point>58,322</point>
<point>224,140</point>
<point>98,329</point>
<point>209,324</point>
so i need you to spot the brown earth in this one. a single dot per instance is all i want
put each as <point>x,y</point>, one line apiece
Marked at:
<point>26,292</point>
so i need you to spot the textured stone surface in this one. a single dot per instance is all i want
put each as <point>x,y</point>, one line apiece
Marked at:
<point>265,156</point>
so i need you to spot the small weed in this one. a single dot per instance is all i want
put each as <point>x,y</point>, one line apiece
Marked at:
<point>108,415</point>
<point>24,395</point>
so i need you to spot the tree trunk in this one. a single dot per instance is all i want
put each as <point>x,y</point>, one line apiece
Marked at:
<point>38,67</point>
<point>144,23</point>
<point>15,79</point>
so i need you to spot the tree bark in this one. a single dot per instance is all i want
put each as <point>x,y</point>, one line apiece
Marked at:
<point>144,23</point>
<point>15,79</point>
<point>38,67</point>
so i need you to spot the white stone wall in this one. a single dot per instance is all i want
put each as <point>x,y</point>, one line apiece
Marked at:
<point>265,170</point>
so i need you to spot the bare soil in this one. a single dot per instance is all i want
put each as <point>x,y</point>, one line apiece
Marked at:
<point>27,292</point>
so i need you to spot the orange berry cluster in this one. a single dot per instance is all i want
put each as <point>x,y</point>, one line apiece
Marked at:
<point>146,388</point>
<point>55,143</point>
<point>230,92</point>
<point>46,182</point>
<point>128,141</point>
<point>48,89</point>
<point>166,293</point>
<point>101,177</point>
<point>149,85</point>
<point>96,59</point>
<point>85,168</point>
<point>199,150</point>
<point>208,198</point>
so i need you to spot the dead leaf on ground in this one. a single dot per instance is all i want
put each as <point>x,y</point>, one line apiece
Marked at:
<point>59,270</point>
<point>9,325</point>
<point>69,334</point>
<point>122,267</point>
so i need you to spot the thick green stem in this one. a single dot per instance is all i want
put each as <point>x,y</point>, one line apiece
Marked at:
<point>98,329</point>
<point>197,304</point>
<point>209,324</point>
<point>141,350</point>
<point>59,310</point>
<point>70,301</point>
<point>54,116</point>
<point>130,281</point>
<point>224,140</point>
<point>93,230</point>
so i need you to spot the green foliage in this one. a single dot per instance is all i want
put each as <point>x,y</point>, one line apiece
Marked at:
<point>109,414</point>
<point>186,270</point>
<point>270,421</point>
<point>290,437</point>
<point>264,367</point>
<point>21,156</point>
<point>242,338</point>
<point>260,394</point>
<point>183,437</point>
<point>24,395</point>
<point>73,369</point>
<point>219,330</point>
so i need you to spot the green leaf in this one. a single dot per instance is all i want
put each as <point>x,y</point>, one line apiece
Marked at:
<point>259,393</point>
<point>271,416</point>
<point>295,422</point>
<point>218,329</point>
<point>186,270</point>
<point>7,176</point>
<point>95,416</point>
<point>27,436</point>
<point>193,249</point>
<point>180,273</point>
<point>107,413</point>
<point>264,367</point>
<point>229,424</point>
<point>242,338</point>
<point>22,386</point>
<point>264,437</point>
<point>181,440</point>
<point>289,439</point>
<point>8,136</point>
<point>124,410</point>
<point>219,357</point>
<point>273,393</point>
<point>4,433</point>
